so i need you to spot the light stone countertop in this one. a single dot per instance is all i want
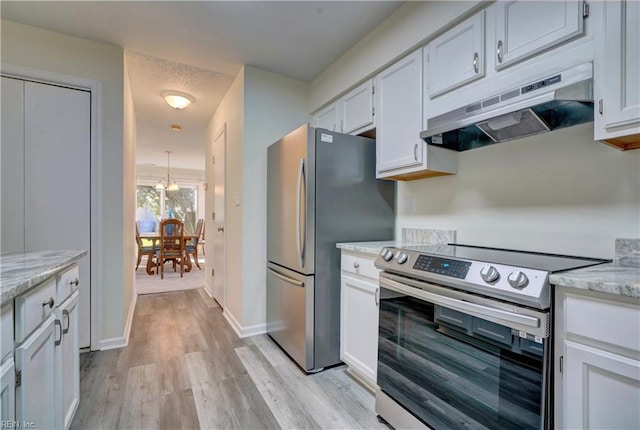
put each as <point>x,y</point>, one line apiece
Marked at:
<point>21,271</point>
<point>370,248</point>
<point>618,278</point>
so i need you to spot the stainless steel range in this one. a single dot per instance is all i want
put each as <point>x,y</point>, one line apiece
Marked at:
<point>465,336</point>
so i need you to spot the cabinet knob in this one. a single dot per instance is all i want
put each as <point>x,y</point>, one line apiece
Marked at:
<point>75,282</point>
<point>49,303</point>
<point>356,265</point>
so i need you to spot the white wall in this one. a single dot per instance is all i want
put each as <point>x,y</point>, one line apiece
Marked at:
<point>42,49</point>
<point>407,28</point>
<point>229,112</point>
<point>559,192</point>
<point>273,106</point>
<point>129,197</point>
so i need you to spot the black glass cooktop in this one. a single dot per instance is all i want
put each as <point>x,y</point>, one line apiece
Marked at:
<point>524,259</point>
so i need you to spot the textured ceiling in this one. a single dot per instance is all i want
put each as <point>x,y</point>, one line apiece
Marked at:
<point>199,47</point>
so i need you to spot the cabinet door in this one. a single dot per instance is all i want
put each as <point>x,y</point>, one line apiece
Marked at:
<point>525,28</point>
<point>357,109</point>
<point>8,391</point>
<point>57,186</point>
<point>12,155</point>
<point>328,118</point>
<point>359,326</point>
<point>600,389</point>
<point>399,122</point>
<point>68,362</point>
<point>621,98</point>
<point>35,359</point>
<point>457,57</point>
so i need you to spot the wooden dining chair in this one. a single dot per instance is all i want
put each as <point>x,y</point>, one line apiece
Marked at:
<point>142,250</point>
<point>191,247</point>
<point>201,241</point>
<point>171,245</point>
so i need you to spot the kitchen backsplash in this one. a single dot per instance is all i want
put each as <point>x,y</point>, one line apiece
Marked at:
<point>628,251</point>
<point>427,235</point>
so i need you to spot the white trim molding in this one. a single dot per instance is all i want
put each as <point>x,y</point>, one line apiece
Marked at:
<point>121,341</point>
<point>243,332</point>
<point>95,87</point>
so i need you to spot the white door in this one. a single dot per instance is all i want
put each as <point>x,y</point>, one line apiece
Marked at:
<point>57,143</point>
<point>328,118</point>
<point>399,99</point>
<point>8,391</point>
<point>217,233</point>
<point>601,390</point>
<point>359,325</point>
<point>457,57</point>
<point>526,28</point>
<point>68,362</point>
<point>12,154</point>
<point>357,109</point>
<point>35,359</point>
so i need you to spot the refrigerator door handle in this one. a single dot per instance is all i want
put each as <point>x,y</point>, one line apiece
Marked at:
<point>299,235</point>
<point>286,278</point>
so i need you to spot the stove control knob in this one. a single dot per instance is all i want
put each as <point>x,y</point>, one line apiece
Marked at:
<point>518,280</point>
<point>489,274</point>
<point>402,258</point>
<point>387,254</point>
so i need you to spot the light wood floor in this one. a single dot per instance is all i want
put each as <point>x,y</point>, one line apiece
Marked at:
<point>185,368</point>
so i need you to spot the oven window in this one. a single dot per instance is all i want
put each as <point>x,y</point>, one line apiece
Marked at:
<point>456,371</point>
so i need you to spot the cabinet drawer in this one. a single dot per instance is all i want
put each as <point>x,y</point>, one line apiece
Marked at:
<point>68,282</point>
<point>359,265</point>
<point>33,307</point>
<point>6,327</point>
<point>615,323</point>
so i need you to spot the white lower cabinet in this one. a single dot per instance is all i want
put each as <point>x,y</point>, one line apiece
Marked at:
<point>597,363</point>
<point>359,317</point>
<point>8,391</point>
<point>35,365</point>
<point>68,362</point>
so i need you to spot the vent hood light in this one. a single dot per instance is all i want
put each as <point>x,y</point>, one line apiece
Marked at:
<point>557,101</point>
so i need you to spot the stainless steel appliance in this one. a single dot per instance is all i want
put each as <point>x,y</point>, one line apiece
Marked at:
<point>555,101</point>
<point>465,337</point>
<point>321,190</point>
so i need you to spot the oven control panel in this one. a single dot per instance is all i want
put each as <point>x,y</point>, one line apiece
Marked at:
<point>442,266</point>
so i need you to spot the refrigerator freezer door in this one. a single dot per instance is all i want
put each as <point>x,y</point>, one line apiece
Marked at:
<point>290,201</point>
<point>290,313</point>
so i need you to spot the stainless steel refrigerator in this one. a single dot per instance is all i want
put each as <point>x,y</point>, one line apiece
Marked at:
<point>321,189</point>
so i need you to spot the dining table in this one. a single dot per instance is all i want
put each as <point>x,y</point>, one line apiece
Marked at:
<point>154,236</point>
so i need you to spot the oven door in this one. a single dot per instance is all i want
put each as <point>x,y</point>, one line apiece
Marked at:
<point>455,360</point>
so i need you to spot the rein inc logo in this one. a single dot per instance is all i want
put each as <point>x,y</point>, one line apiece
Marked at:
<point>17,425</point>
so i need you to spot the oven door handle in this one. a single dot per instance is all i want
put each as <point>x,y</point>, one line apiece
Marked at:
<point>461,305</point>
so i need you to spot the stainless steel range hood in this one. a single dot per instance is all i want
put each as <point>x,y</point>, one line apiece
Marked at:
<point>556,101</point>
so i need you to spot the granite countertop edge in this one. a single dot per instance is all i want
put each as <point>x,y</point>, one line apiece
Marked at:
<point>616,278</point>
<point>19,272</point>
<point>371,248</point>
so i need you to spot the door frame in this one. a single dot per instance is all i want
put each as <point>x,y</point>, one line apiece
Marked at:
<point>95,88</point>
<point>222,131</point>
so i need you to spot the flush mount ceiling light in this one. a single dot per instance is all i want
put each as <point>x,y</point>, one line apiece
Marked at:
<point>176,99</point>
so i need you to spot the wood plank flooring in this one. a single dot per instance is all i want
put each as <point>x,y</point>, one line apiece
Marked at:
<point>185,368</point>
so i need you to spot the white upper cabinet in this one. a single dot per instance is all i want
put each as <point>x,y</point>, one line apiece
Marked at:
<point>328,118</point>
<point>400,153</point>
<point>456,57</point>
<point>617,116</point>
<point>357,109</point>
<point>526,28</point>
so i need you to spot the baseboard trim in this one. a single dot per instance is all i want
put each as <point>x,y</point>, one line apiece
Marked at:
<point>121,341</point>
<point>207,290</point>
<point>243,332</point>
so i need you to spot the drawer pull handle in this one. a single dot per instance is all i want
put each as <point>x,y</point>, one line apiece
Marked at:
<point>376,296</point>
<point>58,324</point>
<point>75,282</point>
<point>356,265</point>
<point>65,313</point>
<point>49,303</point>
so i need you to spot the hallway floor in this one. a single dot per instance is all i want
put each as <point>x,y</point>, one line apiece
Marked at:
<point>185,368</point>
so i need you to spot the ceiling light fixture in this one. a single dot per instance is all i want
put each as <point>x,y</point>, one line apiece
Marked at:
<point>176,127</point>
<point>171,186</point>
<point>176,99</point>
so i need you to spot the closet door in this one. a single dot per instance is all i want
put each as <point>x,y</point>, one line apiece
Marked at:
<point>57,143</point>
<point>12,154</point>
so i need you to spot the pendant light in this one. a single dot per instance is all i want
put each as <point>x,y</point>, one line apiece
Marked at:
<point>170,186</point>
